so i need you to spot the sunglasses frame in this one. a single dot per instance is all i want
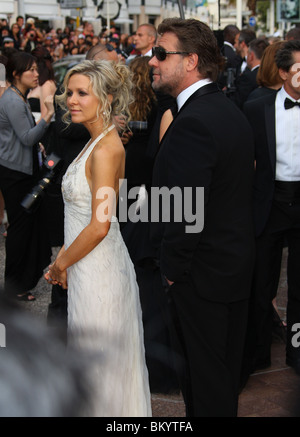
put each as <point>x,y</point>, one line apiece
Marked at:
<point>164,53</point>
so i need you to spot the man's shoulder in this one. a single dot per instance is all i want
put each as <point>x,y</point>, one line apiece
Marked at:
<point>260,102</point>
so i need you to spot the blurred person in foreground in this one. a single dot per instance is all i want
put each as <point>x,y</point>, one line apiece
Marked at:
<point>207,266</point>
<point>38,377</point>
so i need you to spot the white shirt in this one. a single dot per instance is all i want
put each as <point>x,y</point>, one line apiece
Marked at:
<point>185,94</point>
<point>244,64</point>
<point>287,122</point>
<point>256,66</point>
<point>227,43</point>
<point>149,53</point>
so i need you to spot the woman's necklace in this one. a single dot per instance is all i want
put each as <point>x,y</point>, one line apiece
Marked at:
<point>19,92</point>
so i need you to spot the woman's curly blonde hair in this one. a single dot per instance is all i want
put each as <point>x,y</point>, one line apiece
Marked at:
<point>106,78</point>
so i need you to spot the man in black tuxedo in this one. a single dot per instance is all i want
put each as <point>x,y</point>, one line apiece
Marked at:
<point>246,82</point>
<point>233,60</point>
<point>207,271</point>
<point>241,44</point>
<point>276,126</point>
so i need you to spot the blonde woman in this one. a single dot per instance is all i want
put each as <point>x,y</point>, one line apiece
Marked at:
<point>104,311</point>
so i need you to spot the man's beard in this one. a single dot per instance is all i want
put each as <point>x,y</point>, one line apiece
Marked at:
<point>164,88</point>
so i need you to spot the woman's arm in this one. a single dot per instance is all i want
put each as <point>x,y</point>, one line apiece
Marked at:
<point>103,172</point>
<point>165,122</point>
<point>20,119</point>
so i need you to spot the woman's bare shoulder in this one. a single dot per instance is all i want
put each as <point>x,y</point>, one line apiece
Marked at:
<point>109,148</point>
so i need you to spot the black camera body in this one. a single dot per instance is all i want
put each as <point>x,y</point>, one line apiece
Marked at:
<point>52,165</point>
<point>230,80</point>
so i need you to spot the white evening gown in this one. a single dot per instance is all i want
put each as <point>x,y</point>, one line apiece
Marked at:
<point>104,312</point>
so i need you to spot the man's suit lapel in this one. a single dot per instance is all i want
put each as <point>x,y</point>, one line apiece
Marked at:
<point>271,131</point>
<point>206,89</point>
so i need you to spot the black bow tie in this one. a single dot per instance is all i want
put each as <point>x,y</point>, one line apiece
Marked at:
<point>288,104</point>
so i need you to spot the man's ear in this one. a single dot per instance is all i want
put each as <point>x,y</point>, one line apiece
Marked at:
<point>283,74</point>
<point>153,40</point>
<point>192,63</point>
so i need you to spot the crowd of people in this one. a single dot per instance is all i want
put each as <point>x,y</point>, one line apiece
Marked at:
<point>163,108</point>
<point>70,40</point>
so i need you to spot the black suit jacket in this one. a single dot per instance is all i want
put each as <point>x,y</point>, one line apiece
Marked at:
<point>232,61</point>
<point>245,84</point>
<point>209,144</point>
<point>261,115</point>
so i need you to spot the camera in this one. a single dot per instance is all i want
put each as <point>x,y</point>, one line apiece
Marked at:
<point>230,80</point>
<point>124,54</point>
<point>52,165</point>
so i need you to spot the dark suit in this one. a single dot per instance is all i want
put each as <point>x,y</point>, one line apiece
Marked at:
<point>245,84</point>
<point>209,144</point>
<point>277,222</point>
<point>232,61</point>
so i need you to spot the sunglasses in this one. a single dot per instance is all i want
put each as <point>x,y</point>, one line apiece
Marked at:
<point>161,54</point>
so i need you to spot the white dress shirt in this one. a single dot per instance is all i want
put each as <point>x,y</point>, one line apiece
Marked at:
<point>149,53</point>
<point>226,43</point>
<point>287,122</point>
<point>185,94</point>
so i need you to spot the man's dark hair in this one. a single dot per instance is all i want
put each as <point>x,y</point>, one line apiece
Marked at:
<point>293,34</point>
<point>230,32</point>
<point>258,46</point>
<point>284,57</point>
<point>246,36</point>
<point>196,37</point>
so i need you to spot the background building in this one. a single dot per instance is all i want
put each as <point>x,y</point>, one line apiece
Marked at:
<point>128,14</point>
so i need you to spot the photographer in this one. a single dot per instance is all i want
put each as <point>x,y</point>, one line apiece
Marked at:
<point>28,250</point>
<point>233,60</point>
<point>29,42</point>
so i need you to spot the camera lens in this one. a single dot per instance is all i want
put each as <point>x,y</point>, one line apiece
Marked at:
<point>32,200</point>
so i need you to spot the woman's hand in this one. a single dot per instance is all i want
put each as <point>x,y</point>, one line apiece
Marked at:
<point>56,276</point>
<point>120,122</point>
<point>49,103</point>
<point>126,136</point>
